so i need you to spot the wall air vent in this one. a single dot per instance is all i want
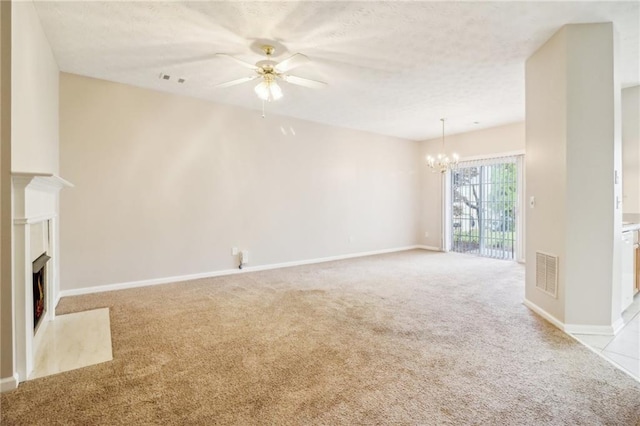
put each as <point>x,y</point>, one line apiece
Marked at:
<point>547,273</point>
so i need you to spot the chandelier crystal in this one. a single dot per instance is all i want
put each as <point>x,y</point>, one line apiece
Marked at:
<point>443,162</point>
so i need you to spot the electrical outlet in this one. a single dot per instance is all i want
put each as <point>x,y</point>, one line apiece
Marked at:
<point>426,235</point>
<point>234,251</point>
<point>351,239</point>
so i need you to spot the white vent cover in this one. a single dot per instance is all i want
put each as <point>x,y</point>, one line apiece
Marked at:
<point>547,273</point>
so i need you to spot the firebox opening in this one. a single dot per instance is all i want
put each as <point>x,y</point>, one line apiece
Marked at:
<point>39,288</point>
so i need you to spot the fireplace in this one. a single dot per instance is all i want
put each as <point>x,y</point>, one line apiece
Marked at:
<point>35,284</point>
<point>39,268</point>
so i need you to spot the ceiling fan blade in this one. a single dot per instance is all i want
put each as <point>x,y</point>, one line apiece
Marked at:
<point>314,84</point>
<point>292,62</point>
<point>234,82</point>
<point>240,61</point>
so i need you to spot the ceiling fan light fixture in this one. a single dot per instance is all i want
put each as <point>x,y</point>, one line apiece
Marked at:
<point>268,91</point>
<point>276,91</point>
<point>262,90</point>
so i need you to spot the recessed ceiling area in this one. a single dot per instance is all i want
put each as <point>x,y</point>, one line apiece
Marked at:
<point>393,68</point>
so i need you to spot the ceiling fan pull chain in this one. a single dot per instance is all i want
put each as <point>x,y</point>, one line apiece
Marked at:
<point>263,109</point>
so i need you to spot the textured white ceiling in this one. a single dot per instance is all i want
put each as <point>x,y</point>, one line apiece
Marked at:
<point>393,67</point>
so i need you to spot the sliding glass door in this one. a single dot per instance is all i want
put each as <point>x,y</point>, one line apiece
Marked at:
<point>483,208</point>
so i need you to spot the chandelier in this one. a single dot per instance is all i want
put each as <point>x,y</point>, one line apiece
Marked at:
<point>442,162</point>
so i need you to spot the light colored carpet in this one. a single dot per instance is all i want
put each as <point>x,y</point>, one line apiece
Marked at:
<point>406,338</point>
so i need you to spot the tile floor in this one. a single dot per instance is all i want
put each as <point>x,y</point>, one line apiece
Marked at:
<point>623,349</point>
<point>73,341</point>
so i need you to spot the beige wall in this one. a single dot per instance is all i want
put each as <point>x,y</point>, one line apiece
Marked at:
<point>482,143</point>
<point>6,311</point>
<point>545,164</point>
<point>35,95</point>
<point>593,157</point>
<point>167,185</point>
<point>32,95</point>
<point>573,148</point>
<point>631,149</point>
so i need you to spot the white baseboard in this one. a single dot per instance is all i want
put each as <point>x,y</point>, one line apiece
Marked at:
<point>618,325</point>
<point>431,248</point>
<point>606,330</point>
<point>223,272</point>
<point>144,283</point>
<point>544,314</point>
<point>9,383</point>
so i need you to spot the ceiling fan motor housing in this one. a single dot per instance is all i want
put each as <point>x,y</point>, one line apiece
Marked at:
<point>268,49</point>
<point>268,66</point>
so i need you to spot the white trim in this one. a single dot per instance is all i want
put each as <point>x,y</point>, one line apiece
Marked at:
<point>544,314</point>
<point>606,330</point>
<point>431,248</point>
<point>520,209</point>
<point>492,156</point>
<point>445,240</point>
<point>41,180</point>
<point>223,272</point>
<point>9,383</point>
<point>34,219</point>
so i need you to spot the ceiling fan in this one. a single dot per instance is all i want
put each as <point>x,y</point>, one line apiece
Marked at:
<point>270,71</point>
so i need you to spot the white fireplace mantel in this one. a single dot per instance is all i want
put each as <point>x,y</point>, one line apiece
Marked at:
<point>35,195</point>
<point>42,181</point>
<point>46,179</point>
<point>35,199</point>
